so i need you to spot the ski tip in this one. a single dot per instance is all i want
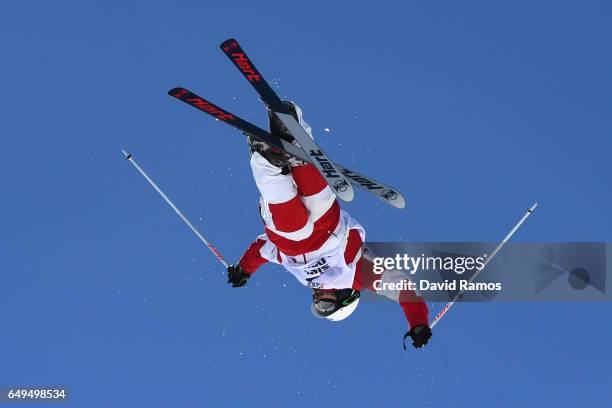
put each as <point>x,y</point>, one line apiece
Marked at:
<point>346,197</point>
<point>229,45</point>
<point>395,199</point>
<point>532,208</point>
<point>392,197</point>
<point>177,92</point>
<point>399,202</point>
<point>343,189</point>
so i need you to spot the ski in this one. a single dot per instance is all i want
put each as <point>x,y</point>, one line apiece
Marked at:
<point>385,193</point>
<point>318,158</point>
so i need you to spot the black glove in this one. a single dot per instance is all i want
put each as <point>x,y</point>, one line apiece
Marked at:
<point>420,335</point>
<point>236,276</point>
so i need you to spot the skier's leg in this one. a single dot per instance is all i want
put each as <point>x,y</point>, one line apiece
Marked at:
<point>283,207</point>
<point>316,194</point>
<point>300,209</point>
<point>308,180</point>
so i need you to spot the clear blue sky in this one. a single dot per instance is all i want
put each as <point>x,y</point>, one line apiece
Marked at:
<point>473,109</point>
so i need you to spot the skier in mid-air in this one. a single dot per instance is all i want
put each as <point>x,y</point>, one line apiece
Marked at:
<point>310,236</point>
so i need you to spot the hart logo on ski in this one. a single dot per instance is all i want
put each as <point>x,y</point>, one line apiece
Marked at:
<point>363,182</point>
<point>326,166</point>
<point>208,108</point>
<point>243,63</point>
<point>197,102</point>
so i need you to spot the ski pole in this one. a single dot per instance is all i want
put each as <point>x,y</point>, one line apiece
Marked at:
<point>129,157</point>
<point>499,247</point>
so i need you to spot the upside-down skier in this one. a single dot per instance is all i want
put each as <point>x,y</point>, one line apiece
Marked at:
<point>310,236</point>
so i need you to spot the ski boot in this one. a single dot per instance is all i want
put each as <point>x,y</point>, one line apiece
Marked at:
<point>275,156</point>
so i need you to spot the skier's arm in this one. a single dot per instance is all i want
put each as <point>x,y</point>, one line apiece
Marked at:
<point>252,259</point>
<point>239,274</point>
<point>415,309</point>
<point>417,313</point>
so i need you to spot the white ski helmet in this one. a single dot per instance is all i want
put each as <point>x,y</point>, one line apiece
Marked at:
<point>334,304</point>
